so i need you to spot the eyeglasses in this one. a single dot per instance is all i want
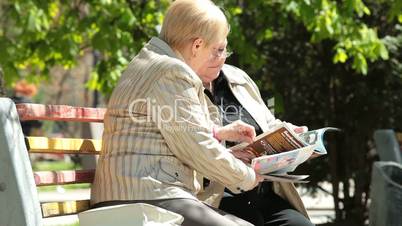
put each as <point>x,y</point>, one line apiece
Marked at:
<point>220,54</point>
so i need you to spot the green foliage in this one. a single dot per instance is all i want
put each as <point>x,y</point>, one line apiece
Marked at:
<point>313,67</point>
<point>54,165</point>
<point>341,22</point>
<point>36,35</point>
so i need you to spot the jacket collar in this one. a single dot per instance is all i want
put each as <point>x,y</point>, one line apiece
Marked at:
<point>233,76</point>
<point>159,46</point>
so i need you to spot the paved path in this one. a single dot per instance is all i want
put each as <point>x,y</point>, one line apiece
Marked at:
<point>320,207</point>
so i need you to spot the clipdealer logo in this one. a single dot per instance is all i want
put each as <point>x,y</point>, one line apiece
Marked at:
<point>183,114</point>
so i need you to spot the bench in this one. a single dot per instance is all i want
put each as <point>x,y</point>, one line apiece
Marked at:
<point>19,203</point>
<point>386,179</point>
<point>389,145</point>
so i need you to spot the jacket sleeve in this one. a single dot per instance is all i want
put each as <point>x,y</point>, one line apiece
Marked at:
<point>184,124</point>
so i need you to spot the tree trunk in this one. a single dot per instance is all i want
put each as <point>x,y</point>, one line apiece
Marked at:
<point>2,85</point>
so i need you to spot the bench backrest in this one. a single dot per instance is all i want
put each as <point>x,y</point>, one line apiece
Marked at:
<point>17,180</point>
<point>389,145</point>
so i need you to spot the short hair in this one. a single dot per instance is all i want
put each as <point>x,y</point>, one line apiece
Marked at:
<point>190,19</point>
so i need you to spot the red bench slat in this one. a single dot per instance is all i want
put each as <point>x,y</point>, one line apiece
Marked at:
<point>43,178</point>
<point>60,113</point>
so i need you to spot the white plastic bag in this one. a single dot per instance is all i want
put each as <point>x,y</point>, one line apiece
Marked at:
<point>137,214</point>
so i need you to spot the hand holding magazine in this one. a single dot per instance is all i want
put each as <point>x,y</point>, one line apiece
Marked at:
<point>281,150</point>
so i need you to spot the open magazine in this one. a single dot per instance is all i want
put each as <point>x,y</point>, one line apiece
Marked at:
<point>280,150</point>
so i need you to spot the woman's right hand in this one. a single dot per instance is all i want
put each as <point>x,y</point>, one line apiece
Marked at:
<point>258,179</point>
<point>237,131</point>
<point>297,129</point>
<point>244,155</point>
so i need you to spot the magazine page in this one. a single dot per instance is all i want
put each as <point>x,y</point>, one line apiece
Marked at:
<point>281,139</point>
<point>286,178</point>
<point>316,137</point>
<point>283,162</point>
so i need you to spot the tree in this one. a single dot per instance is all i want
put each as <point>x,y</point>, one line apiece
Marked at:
<point>302,70</point>
<point>37,35</point>
<point>2,87</point>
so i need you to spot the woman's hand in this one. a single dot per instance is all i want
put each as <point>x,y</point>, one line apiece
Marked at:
<point>244,155</point>
<point>297,129</point>
<point>237,131</point>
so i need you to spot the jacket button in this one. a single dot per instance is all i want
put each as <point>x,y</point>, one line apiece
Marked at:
<point>238,188</point>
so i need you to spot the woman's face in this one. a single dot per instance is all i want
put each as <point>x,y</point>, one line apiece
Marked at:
<point>209,61</point>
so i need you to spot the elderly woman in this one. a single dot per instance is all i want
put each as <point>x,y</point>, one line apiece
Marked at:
<point>271,203</point>
<point>161,134</point>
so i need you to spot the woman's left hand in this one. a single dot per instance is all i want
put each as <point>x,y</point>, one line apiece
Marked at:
<point>237,131</point>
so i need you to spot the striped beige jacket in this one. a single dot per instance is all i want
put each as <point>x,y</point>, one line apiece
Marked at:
<point>157,136</point>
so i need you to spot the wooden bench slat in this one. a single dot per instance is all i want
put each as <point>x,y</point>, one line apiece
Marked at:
<point>52,209</point>
<point>43,178</point>
<point>63,145</point>
<point>60,113</point>
<point>399,137</point>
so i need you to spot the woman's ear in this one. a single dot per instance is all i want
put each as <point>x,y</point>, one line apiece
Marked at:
<point>197,46</point>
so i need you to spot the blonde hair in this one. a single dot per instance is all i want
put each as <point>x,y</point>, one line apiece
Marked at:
<point>189,19</point>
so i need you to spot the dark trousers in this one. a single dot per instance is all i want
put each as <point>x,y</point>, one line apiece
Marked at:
<point>263,207</point>
<point>195,213</point>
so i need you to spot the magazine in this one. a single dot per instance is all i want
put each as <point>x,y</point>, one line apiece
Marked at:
<point>280,150</point>
<point>286,178</point>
